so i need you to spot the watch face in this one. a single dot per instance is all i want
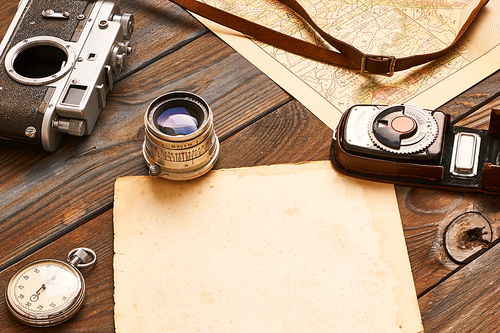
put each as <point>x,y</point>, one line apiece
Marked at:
<point>45,289</point>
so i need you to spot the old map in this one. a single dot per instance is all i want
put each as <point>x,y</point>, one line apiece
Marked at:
<point>380,27</point>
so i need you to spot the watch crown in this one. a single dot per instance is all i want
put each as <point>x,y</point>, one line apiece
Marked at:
<point>78,257</point>
<point>81,257</point>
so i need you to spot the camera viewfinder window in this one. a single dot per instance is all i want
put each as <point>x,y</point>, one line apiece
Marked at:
<point>75,95</point>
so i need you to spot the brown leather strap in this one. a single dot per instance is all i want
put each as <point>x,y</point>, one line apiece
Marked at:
<point>348,56</point>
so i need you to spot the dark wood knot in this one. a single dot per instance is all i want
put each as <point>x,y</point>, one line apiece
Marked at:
<point>466,236</point>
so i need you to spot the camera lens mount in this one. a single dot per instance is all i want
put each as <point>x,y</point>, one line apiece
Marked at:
<point>180,142</point>
<point>39,60</point>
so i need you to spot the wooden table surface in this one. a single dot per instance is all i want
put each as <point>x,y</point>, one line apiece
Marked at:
<point>51,203</point>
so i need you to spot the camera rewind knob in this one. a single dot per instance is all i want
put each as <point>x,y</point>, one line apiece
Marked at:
<point>127,22</point>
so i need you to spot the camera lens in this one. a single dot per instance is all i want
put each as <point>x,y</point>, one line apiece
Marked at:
<point>178,118</point>
<point>180,141</point>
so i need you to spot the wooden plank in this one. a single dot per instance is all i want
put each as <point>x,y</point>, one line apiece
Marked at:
<point>474,98</point>
<point>425,214</point>
<point>469,301</point>
<point>82,172</point>
<point>161,28</point>
<point>7,12</point>
<point>96,314</point>
<point>481,118</point>
<point>296,135</point>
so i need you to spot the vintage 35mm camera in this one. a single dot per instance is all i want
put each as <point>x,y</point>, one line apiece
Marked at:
<point>405,144</point>
<point>58,61</point>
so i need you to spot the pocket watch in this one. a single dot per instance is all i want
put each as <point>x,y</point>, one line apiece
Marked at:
<point>48,292</point>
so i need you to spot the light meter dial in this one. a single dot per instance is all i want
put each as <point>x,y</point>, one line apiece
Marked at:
<point>403,129</point>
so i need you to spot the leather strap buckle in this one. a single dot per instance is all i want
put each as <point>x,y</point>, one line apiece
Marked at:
<point>365,57</point>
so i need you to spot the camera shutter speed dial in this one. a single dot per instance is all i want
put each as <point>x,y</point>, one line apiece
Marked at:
<point>403,129</point>
<point>118,54</point>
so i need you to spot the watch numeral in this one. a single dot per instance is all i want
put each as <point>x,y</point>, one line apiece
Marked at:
<point>21,296</point>
<point>20,286</point>
<point>52,304</point>
<point>36,270</point>
<point>28,304</point>
<point>26,277</point>
<point>40,307</point>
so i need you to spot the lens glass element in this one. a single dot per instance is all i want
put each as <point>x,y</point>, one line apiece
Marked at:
<point>177,121</point>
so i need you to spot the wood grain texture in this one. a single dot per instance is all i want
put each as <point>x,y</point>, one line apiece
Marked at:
<point>453,297</point>
<point>297,136</point>
<point>474,98</point>
<point>161,28</point>
<point>468,301</point>
<point>50,203</point>
<point>481,118</point>
<point>425,215</point>
<point>7,12</point>
<point>39,188</point>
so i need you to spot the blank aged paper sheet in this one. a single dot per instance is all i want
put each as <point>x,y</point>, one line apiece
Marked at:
<point>285,248</point>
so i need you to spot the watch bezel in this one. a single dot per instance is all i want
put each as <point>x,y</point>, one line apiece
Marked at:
<point>50,318</point>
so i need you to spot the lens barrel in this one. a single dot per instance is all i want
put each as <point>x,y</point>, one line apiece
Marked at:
<point>180,142</point>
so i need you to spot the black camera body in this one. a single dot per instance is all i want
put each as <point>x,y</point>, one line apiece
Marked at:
<point>58,61</point>
<point>405,144</point>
